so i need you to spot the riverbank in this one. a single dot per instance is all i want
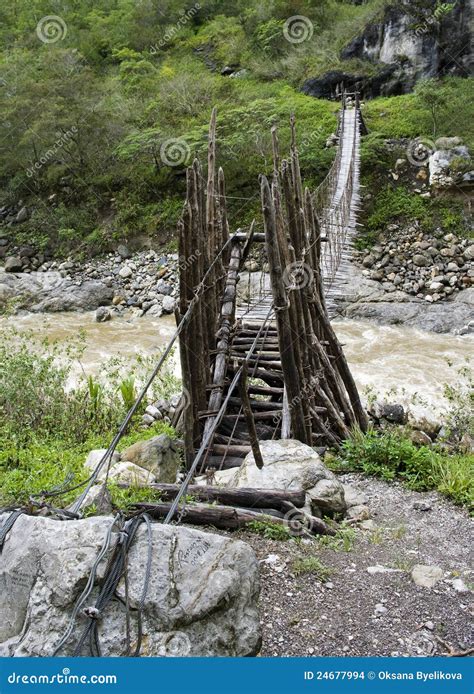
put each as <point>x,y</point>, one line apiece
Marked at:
<point>146,283</point>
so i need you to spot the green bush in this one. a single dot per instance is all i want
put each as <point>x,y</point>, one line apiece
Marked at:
<point>391,455</point>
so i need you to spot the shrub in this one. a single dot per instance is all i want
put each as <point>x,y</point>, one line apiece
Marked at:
<point>391,455</point>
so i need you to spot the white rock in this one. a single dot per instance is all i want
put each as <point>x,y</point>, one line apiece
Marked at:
<point>94,458</point>
<point>99,497</point>
<point>359,512</point>
<point>353,497</point>
<point>459,585</point>
<point>378,569</point>
<point>125,272</point>
<point>132,474</point>
<point>156,455</point>
<point>153,412</point>
<point>168,304</point>
<point>289,464</point>
<point>426,576</point>
<point>201,600</point>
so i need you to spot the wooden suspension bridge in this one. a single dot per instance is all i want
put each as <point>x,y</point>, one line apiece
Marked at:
<point>269,366</point>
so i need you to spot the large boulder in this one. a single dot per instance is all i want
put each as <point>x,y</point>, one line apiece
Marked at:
<point>201,599</point>
<point>292,465</point>
<point>159,455</point>
<point>48,292</point>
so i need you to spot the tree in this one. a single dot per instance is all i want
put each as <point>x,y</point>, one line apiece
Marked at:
<point>433,98</point>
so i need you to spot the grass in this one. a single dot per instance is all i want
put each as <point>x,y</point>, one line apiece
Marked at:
<point>311,565</point>
<point>342,541</point>
<point>391,456</point>
<point>47,429</point>
<point>43,464</point>
<point>269,530</point>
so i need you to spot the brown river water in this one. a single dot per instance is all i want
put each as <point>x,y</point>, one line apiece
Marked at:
<point>382,358</point>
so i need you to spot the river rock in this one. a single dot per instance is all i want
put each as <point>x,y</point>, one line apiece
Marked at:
<point>468,252</point>
<point>420,260</point>
<point>419,438</point>
<point>391,412</point>
<point>125,272</point>
<point>289,464</point>
<point>13,264</point>
<point>97,498</point>
<point>367,300</point>
<point>103,314</point>
<point>22,215</point>
<point>201,600</point>
<point>158,455</point>
<point>168,304</point>
<point>94,457</point>
<point>49,292</point>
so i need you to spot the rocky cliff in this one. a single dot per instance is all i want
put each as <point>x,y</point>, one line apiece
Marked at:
<point>410,41</point>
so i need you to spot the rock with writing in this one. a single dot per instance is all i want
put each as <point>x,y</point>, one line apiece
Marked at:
<point>201,598</point>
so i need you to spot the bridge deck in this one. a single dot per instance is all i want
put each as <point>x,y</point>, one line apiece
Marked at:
<point>337,250</point>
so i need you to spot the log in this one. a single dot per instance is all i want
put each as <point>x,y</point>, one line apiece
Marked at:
<point>247,408</point>
<point>232,496</point>
<point>231,518</point>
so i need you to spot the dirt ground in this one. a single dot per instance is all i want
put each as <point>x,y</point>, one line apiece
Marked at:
<point>340,608</point>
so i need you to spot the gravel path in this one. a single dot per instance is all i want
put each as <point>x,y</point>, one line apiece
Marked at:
<point>356,612</point>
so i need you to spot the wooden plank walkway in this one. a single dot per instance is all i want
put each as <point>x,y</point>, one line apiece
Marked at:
<point>338,227</point>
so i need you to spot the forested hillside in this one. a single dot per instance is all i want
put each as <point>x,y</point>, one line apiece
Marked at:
<point>104,102</point>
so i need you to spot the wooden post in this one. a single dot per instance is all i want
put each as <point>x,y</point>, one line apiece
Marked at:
<point>285,336</point>
<point>247,408</point>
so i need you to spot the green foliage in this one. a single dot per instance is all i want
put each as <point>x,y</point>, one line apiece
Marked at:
<point>47,427</point>
<point>125,497</point>
<point>398,204</point>
<point>410,115</point>
<point>342,541</point>
<point>269,529</point>
<point>312,565</point>
<point>391,455</point>
<point>459,415</point>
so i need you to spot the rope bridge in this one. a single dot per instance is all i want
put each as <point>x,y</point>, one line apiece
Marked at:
<point>270,366</point>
